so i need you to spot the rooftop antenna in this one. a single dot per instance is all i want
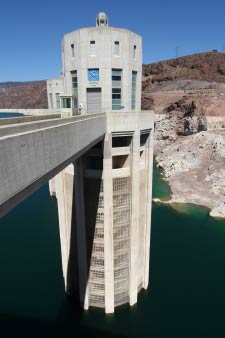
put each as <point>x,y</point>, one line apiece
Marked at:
<point>177,52</point>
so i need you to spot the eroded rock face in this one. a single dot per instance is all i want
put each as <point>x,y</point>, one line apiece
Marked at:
<point>169,126</point>
<point>217,188</point>
<point>201,123</point>
<point>166,127</point>
<point>218,148</point>
<point>194,124</point>
<point>194,165</point>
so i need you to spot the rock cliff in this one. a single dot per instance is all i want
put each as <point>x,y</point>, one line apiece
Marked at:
<point>194,167</point>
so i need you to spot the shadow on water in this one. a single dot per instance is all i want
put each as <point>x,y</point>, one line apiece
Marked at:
<point>15,326</point>
<point>185,299</point>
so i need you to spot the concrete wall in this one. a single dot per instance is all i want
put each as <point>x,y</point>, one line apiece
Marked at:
<point>24,119</point>
<point>117,213</point>
<point>105,60</point>
<point>130,121</point>
<point>54,86</point>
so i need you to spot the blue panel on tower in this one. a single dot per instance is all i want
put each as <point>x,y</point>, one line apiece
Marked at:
<point>93,75</point>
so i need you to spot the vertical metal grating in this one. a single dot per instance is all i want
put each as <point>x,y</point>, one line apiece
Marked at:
<point>121,224</point>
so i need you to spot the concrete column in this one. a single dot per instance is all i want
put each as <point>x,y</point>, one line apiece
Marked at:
<point>108,224</point>
<point>135,185</point>
<point>149,172</point>
<point>64,194</point>
<point>81,232</point>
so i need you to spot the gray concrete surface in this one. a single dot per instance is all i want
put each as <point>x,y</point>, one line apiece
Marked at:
<point>29,159</point>
<point>23,119</point>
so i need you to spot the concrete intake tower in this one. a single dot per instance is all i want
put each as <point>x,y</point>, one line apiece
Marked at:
<point>104,196</point>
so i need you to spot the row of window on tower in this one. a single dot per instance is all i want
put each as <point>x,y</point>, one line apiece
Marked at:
<point>117,89</point>
<point>93,75</point>
<point>92,49</point>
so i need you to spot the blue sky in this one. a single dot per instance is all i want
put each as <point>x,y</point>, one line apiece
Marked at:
<point>31,31</point>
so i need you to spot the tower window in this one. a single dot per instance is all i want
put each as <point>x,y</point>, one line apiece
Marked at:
<point>50,101</point>
<point>72,51</point>
<point>74,79</point>
<point>57,100</point>
<point>116,89</point>
<point>66,102</point>
<point>74,88</point>
<point>134,86</point>
<point>135,50</point>
<point>116,48</point>
<point>92,48</point>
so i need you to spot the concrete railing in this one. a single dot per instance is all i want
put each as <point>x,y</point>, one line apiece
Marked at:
<point>37,123</point>
<point>23,119</point>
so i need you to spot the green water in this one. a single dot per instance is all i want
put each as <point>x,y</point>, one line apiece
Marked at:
<point>186,297</point>
<point>160,188</point>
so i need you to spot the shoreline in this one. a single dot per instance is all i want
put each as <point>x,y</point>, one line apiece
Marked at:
<point>172,204</point>
<point>188,188</point>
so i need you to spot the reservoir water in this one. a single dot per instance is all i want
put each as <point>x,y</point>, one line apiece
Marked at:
<point>186,296</point>
<point>6,115</point>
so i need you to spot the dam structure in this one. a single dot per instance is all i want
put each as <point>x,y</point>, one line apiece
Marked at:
<point>97,158</point>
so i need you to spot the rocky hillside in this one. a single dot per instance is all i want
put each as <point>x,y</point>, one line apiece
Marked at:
<point>209,67</point>
<point>169,86</point>
<point>194,167</point>
<point>23,95</point>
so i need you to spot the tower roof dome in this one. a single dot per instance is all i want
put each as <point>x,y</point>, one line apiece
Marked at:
<point>102,19</point>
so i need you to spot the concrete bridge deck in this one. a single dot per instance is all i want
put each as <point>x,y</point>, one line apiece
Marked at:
<point>31,153</point>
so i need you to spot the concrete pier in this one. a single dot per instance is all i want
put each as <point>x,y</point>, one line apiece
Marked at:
<point>109,191</point>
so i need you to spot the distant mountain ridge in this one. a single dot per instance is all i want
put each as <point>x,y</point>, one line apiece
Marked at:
<point>23,95</point>
<point>12,84</point>
<point>190,72</point>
